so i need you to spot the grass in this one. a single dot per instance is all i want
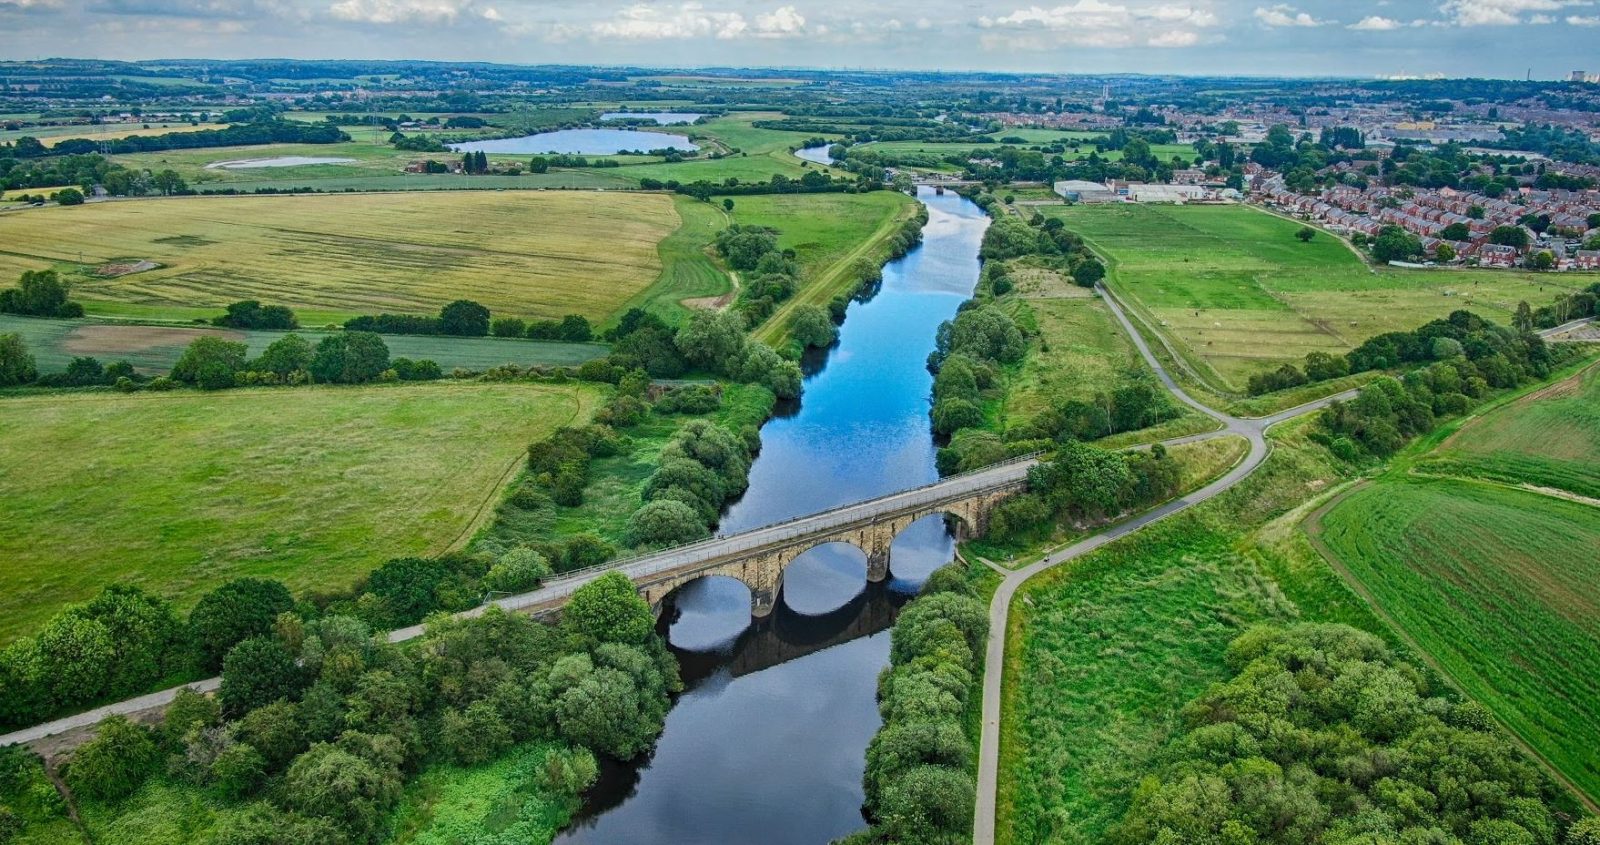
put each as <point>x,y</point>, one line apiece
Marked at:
<point>449,804</point>
<point>1102,653</point>
<point>52,135</point>
<point>616,483</point>
<point>314,486</point>
<point>690,274</point>
<point>1239,294</point>
<point>332,257</point>
<point>829,233</point>
<point>1077,349</point>
<point>1497,586</point>
<point>154,349</point>
<point>1550,439</point>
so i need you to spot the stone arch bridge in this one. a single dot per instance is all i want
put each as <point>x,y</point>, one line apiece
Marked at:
<point>758,557</point>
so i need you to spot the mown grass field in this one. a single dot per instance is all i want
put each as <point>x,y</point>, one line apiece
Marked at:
<point>154,349</point>
<point>1240,294</point>
<point>1103,653</point>
<point>330,257</point>
<point>313,486</point>
<point>1549,439</point>
<point>690,275</point>
<point>1496,585</point>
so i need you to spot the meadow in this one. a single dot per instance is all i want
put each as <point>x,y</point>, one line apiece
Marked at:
<point>315,486</point>
<point>1496,586</point>
<point>1549,439</point>
<point>330,257</point>
<point>153,350</point>
<point>52,135</point>
<point>1240,294</point>
<point>1077,350</point>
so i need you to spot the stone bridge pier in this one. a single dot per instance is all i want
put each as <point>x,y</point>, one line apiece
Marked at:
<point>762,569</point>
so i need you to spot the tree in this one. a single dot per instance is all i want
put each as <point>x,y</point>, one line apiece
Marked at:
<point>69,196</point>
<point>727,203</point>
<point>765,367</point>
<point>508,327</point>
<point>1305,234</point>
<point>575,328</point>
<point>39,293</point>
<point>16,365</point>
<point>713,340</point>
<point>926,802</point>
<point>352,790</point>
<point>1456,232</point>
<point>238,769</point>
<point>606,708</point>
<point>350,357</point>
<point>408,587</point>
<point>517,570</point>
<point>474,735</point>
<point>115,763</point>
<point>255,672</point>
<point>665,522</point>
<point>236,611</point>
<point>188,711</point>
<point>250,314</point>
<point>1522,320</point>
<point>1395,244</point>
<point>813,327</point>
<point>209,363</point>
<point>609,610</point>
<point>288,354</point>
<point>950,415</point>
<point>1444,253</point>
<point>1542,260</point>
<point>1088,273</point>
<point>1509,236</point>
<point>464,318</point>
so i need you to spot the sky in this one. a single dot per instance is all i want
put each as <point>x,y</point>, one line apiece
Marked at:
<point>1488,38</point>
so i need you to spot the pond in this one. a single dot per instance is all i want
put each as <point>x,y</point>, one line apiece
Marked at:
<point>589,142</point>
<point>661,118</point>
<point>815,155</point>
<point>280,161</point>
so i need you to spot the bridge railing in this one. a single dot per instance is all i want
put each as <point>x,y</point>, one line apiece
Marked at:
<point>793,529</point>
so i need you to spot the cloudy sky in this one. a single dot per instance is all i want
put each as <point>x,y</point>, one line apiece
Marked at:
<point>1500,38</point>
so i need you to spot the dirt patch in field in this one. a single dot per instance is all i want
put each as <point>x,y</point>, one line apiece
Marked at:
<point>714,303</point>
<point>126,268</point>
<point>111,340</point>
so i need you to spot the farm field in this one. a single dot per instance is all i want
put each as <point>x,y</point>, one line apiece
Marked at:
<point>1241,295</point>
<point>154,349</point>
<point>314,486</point>
<point>1496,585</point>
<point>335,256</point>
<point>1549,439</point>
<point>690,277</point>
<point>52,135</point>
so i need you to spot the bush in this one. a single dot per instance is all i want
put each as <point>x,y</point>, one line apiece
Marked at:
<point>508,327</point>
<point>250,314</point>
<point>115,763</point>
<point>350,357</point>
<point>209,363</point>
<point>693,399</point>
<point>609,610</point>
<point>16,365</point>
<point>518,570</point>
<point>352,790</point>
<point>236,611</point>
<point>950,415</point>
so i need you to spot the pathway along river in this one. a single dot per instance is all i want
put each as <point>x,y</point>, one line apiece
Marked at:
<point>768,742</point>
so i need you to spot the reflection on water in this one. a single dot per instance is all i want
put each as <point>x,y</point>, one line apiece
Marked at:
<point>768,741</point>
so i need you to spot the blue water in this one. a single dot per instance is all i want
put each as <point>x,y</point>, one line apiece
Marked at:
<point>580,142</point>
<point>769,742</point>
<point>661,118</point>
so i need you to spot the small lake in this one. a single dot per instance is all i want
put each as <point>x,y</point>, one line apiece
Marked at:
<point>590,142</point>
<point>815,155</point>
<point>280,161</point>
<point>661,118</point>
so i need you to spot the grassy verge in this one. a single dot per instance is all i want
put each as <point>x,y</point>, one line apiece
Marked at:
<point>314,486</point>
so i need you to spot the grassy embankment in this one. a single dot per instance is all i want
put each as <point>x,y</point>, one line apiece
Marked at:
<point>1103,653</point>
<point>1494,584</point>
<point>334,257</point>
<point>1238,293</point>
<point>178,492</point>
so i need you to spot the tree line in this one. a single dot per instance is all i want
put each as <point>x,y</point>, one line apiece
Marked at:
<point>320,721</point>
<point>261,132</point>
<point>1322,734</point>
<point>40,293</point>
<point>465,318</point>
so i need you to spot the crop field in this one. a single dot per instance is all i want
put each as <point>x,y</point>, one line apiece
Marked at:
<point>314,486</point>
<point>52,135</point>
<point>1550,438</point>
<point>1497,586</point>
<point>1240,294</point>
<point>331,257</point>
<point>154,349</point>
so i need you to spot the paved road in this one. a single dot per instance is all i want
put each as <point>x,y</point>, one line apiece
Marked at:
<point>1252,429</point>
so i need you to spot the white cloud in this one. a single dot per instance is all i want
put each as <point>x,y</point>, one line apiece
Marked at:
<point>410,11</point>
<point>1502,12</point>
<point>641,22</point>
<point>1576,20</point>
<point>31,4</point>
<point>1098,23</point>
<point>1285,15</point>
<point>1376,23</point>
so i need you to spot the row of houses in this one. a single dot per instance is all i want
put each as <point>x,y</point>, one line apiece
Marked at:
<point>1427,214</point>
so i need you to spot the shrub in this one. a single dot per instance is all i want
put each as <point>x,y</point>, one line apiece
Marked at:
<point>236,611</point>
<point>209,363</point>
<point>352,790</point>
<point>350,357</point>
<point>508,327</point>
<point>950,415</point>
<point>250,314</point>
<point>518,570</point>
<point>115,763</point>
<point>474,735</point>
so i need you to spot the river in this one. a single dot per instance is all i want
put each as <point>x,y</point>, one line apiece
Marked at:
<point>768,742</point>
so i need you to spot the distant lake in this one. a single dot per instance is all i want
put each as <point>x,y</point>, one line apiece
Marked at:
<point>592,142</point>
<point>662,118</point>
<point>280,161</point>
<point>816,155</point>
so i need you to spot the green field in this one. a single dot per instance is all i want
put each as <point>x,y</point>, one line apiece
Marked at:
<point>690,274</point>
<point>1497,587</point>
<point>154,349</point>
<point>331,257</point>
<point>1239,294</point>
<point>1550,439</point>
<point>313,486</point>
<point>1078,349</point>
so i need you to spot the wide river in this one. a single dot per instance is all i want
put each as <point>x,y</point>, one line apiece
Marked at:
<point>768,742</point>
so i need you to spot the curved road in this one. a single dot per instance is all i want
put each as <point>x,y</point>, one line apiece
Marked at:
<point>1252,429</point>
